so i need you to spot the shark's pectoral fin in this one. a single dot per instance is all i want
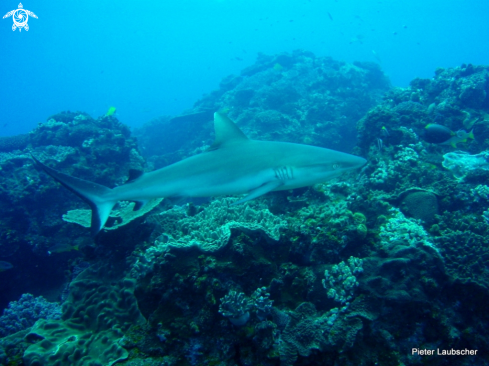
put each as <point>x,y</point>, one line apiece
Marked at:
<point>261,190</point>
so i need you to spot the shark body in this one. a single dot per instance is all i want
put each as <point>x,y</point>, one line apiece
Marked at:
<point>233,165</point>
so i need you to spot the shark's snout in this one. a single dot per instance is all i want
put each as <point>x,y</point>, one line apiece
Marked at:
<point>358,162</point>
<point>348,162</point>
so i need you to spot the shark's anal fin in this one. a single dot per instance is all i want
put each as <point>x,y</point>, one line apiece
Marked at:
<point>92,193</point>
<point>261,190</point>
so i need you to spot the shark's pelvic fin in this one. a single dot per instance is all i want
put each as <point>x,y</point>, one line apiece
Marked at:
<point>226,132</point>
<point>260,191</point>
<point>92,193</point>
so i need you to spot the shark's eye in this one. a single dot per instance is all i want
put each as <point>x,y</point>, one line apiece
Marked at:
<point>336,166</point>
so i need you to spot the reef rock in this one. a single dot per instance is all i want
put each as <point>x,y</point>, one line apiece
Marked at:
<point>420,204</point>
<point>94,318</point>
<point>293,97</point>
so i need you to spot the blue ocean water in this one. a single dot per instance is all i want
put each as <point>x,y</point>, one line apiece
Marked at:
<point>156,58</point>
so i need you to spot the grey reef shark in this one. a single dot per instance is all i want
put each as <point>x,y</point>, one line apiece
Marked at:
<point>233,165</point>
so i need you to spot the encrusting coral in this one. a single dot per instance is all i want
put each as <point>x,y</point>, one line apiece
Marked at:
<point>95,316</point>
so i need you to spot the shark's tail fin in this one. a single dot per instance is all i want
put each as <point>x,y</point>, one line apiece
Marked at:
<point>94,194</point>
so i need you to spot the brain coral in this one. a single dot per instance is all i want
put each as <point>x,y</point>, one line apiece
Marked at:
<point>421,205</point>
<point>94,318</point>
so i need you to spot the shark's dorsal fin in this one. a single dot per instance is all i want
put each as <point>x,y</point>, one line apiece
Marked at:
<point>226,132</point>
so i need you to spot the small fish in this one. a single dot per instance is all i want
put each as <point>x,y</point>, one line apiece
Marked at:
<point>225,110</point>
<point>384,131</point>
<point>460,136</point>
<point>438,134</point>
<point>62,248</point>
<point>380,144</point>
<point>278,67</point>
<point>330,16</point>
<point>4,266</point>
<point>377,57</point>
<point>110,112</point>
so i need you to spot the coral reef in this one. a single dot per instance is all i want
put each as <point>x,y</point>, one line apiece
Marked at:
<point>12,348</point>
<point>352,272</point>
<point>32,204</point>
<point>419,204</point>
<point>120,216</point>
<point>236,307</point>
<point>208,230</point>
<point>307,99</point>
<point>398,228</point>
<point>95,316</point>
<point>262,303</point>
<point>461,163</point>
<point>11,143</point>
<point>442,99</point>
<point>340,281</point>
<point>415,232</point>
<point>22,314</point>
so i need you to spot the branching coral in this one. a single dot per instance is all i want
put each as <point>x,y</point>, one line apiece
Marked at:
<point>340,281</point>
<point>236,307</point>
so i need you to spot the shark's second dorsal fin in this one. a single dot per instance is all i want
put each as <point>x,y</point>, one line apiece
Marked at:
<point>226,132</point>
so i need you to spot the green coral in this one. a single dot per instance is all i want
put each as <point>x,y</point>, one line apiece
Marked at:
<point>421,205</point>
<point>399,229</point>
<point>97,312</point>
<point>307,331</point>
<point>340,280</point>
<point>461,163</point>
<point>359,218</point>
<point>122,216</point>
<point>210,229</point>
<point>464,241</point>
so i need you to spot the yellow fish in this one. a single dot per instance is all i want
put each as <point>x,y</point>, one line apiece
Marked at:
<point>278,67</point>
<point>62,248</point>
<point>5,266</point>
<point>110,112</point>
